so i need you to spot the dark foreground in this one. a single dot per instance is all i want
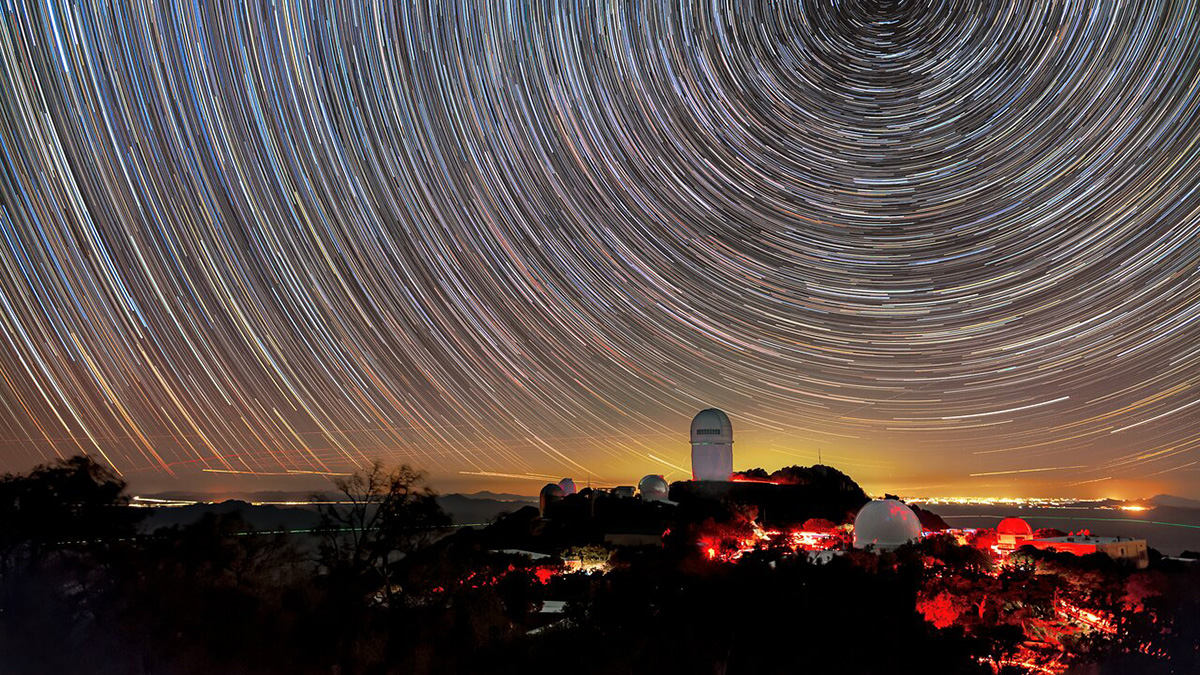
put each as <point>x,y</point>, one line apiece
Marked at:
<point>383,589</point>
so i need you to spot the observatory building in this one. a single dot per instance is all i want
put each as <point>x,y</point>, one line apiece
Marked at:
<point>1012,533</point>
<point>885,524</point>
<point>1127,549</point>
<point>653,488</point>
<point>567,485</point>
<point>712,446</point>
<point>551,494</point>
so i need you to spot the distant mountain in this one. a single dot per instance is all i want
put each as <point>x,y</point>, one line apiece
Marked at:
<point>262,496</point>
<point>498,496</point>
<point>467,509</point>
<point>1177,502</point>
<point>481,507</point>
<point>259,517</point>
<point>1098,503</point>
<point>277,496</point>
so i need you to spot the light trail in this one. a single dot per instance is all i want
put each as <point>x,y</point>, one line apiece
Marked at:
<point>534,238</point>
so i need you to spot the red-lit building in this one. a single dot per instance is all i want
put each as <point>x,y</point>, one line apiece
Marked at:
<point>1118,548</point>
<point>1012,534</point>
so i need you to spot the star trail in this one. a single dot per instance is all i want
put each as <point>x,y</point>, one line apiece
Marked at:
<point>947,242</point>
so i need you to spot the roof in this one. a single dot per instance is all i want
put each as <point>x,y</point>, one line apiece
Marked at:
<point>1014,526</point>
<point>885,523</point>
<point>518,551</point>
<point>552,490</point>
<point>712,425</point>
<point>652,482</point>
<point>1086,539</point>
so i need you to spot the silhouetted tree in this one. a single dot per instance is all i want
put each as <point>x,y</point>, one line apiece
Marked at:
<point>385,514</point>
<point>72,501</point>
<point>81,591</point>
<point>58,526</point>
<point>211,596</point>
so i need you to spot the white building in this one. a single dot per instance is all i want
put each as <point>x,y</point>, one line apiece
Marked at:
<point>712,446</point>
<point>885,525</point>
<point>1133,551</point>
<point>653,488</point>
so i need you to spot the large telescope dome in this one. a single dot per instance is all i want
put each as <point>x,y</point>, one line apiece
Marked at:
<point>1014,526</point>
<point>712,425</point>
<point>885,524</point>
<point>712,445</point>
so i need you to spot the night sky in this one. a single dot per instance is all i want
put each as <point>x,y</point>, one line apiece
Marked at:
<point>953,246</point>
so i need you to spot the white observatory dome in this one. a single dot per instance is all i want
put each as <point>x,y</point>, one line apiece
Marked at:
<point>653,488</point>
<point>885,524</point>
<point>712,426</point>
<point>712,445</point>
<point>567,485</point>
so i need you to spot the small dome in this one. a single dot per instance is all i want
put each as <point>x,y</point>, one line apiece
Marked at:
<point>711,426</point>
<point>567,485</point>
<point>1014,526</point>
<point>885,524</point>
<point>653,488</point>
<point>550,494</point>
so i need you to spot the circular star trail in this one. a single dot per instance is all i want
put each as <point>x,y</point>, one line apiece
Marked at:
<point>949,240</point>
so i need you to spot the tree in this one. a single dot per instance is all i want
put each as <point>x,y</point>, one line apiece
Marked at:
<point>59,525</point>
<point>383,515</point>
<point>590,557</point>
<point>211,596</point>
<point>72,501</point>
